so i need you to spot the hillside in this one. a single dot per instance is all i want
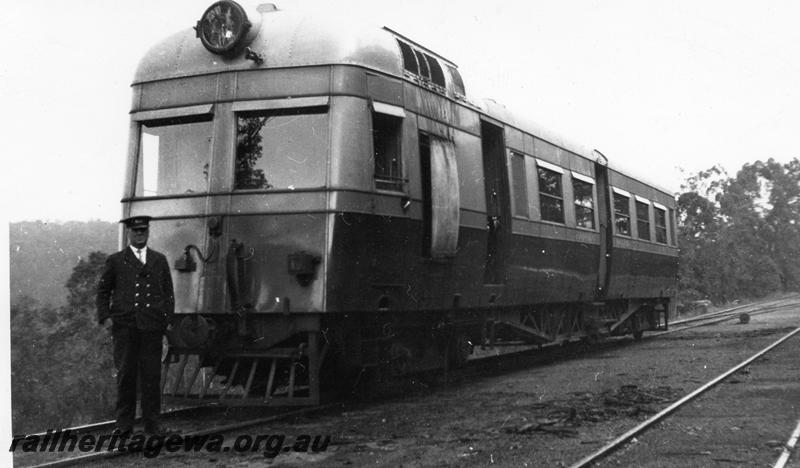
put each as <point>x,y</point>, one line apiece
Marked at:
<point>42,255</point>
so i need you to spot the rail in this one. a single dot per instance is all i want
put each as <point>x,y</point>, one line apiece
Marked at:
<point>621,440</point>
<point>83,459</point>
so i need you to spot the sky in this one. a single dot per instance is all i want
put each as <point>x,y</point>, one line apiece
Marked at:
<point>663,89</point>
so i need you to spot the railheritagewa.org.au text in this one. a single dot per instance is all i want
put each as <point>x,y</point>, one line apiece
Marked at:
<point>271,445</point>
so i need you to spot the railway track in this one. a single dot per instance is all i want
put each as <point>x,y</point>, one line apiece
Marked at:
<point>620,442</point>
<point>562,412</point>
<point>109,425</point>
<point>726,315</point>
<point>730,313</point>
<point>189,423</point>
<point>210,416</point>
<point>548,354</point>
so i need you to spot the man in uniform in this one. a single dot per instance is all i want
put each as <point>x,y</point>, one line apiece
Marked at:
<point>135,292</point>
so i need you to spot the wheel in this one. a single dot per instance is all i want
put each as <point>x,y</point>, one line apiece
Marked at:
<point>459,349</point>
<point>744,318</point>
<point>636,328</point>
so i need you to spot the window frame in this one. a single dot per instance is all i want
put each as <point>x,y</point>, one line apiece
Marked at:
<point>314,105</point>
<point>457,81</point>
<point>407,52</point>
<point>578,178</point>
<point>393,183</point>
<point>615,192</point>
<point>659,208</point>
<point>671,221</point>
<point>167,118</point>
<point>642,202</point>
<point>519,184</point>
<point>551,168</point>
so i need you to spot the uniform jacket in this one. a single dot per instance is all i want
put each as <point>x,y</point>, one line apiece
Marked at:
<point>133,294</point>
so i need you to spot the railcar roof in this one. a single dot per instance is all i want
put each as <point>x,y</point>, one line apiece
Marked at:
<point>286,39</point>
<point>294,38</point>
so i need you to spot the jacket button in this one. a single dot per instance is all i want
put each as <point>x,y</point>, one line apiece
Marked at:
<point>137,285</point>
<point>136,304</point>
<point>148,305</point>
<point>136,295</point>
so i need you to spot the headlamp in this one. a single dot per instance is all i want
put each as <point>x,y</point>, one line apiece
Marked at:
<point>225,27</point>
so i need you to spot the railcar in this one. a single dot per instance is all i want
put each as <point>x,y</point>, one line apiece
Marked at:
<point>336,205</point>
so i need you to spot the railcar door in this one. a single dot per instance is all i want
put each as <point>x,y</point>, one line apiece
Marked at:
<point>498,205</point>
<point>440,194</point>
<point>606,229</point>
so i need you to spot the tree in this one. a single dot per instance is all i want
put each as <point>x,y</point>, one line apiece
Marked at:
<point>82,283</point>
<point>248,151</point>
<point>61,361</point>
<point>739,236</point>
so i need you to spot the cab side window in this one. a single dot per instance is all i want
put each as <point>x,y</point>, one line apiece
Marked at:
<point>387,134</point>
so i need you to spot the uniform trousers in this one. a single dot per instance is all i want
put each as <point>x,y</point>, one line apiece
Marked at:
<point>137,356</point>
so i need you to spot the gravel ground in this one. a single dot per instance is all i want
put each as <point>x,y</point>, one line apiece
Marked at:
<point>555,414</point>
<point>745,421</point>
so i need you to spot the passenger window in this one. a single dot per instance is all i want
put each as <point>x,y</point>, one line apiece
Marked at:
<point>551,195</point>
<point>387,134</point>
<point>622,214</point>
<point>584,203</point>
<point>661,225</point>
<point>673,239</point>
<point>520,186</point>
<point>643,219</point>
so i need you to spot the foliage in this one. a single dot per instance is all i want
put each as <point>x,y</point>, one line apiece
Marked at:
<point>42,254</point>
<point>61,361</point>
<point>248,151</point>
<point>739,236</point>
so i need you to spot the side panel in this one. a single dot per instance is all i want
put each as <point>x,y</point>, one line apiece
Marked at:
<point>551,264</point>
<point>640,268</point>
<point>641,271</point>
<point>375,264</point>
